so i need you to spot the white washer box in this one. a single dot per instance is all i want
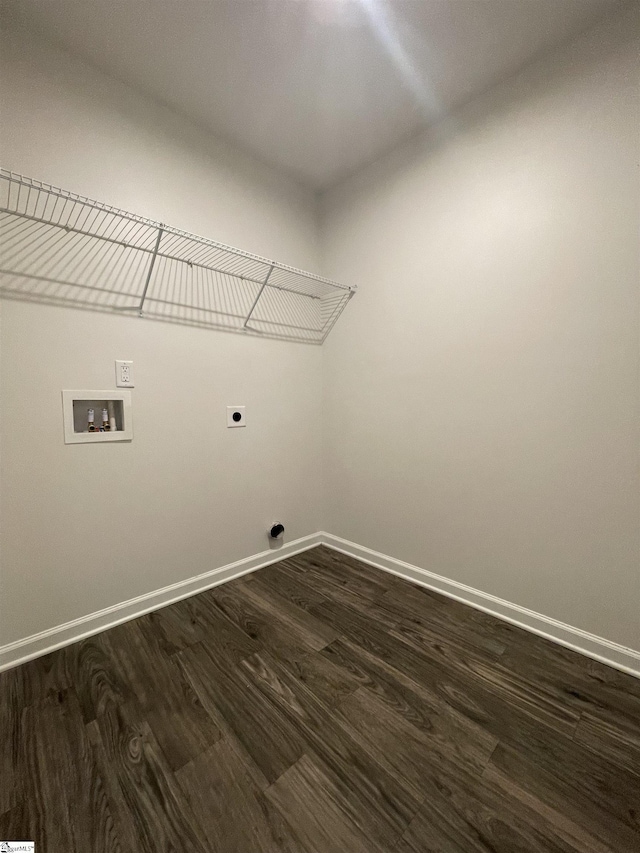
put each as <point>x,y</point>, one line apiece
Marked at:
<point>74,411</point>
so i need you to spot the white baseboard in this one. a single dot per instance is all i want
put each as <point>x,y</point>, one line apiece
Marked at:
<point>63,635</point>
<point>622,658</point>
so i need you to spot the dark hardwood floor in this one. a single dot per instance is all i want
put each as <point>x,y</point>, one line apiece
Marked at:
<point>319,706</point>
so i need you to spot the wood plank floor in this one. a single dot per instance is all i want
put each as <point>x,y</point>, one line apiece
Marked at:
<point>319,706</point>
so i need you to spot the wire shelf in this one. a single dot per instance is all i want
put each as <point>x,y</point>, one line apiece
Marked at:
<point>61,248</point>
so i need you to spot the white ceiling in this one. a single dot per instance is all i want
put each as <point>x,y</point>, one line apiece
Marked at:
<point>314,87</point>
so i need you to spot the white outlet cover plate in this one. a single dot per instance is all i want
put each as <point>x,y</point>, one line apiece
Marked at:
<point>124,369</point>
<point>231,411</point>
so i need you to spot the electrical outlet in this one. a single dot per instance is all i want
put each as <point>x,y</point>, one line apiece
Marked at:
<point>236,416</point>
<point>124,374</point>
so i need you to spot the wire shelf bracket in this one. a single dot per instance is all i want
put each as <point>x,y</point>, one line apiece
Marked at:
<point>150,271</point>
<point>60,248</point>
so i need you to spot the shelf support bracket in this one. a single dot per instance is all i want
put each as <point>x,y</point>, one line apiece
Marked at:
<point>150,270</point>
<point>255,301</point>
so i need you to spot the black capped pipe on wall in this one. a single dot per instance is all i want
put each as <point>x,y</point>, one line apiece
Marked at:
<point>277,530</point>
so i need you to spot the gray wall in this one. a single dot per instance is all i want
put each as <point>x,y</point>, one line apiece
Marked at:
<point>85,527</point>
<point>474,412</point>
<point>481,397</point>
